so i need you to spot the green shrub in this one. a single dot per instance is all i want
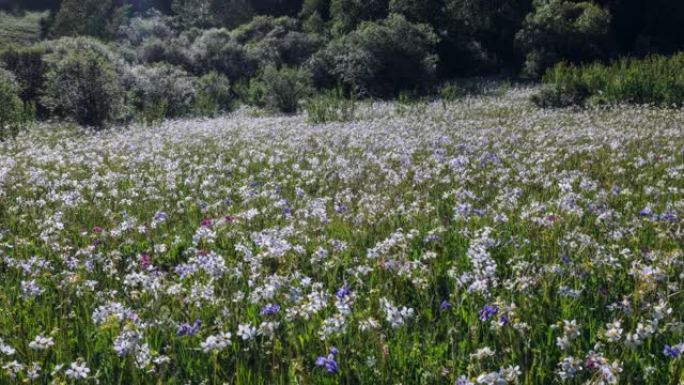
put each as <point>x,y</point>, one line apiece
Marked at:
<point>13,113</point>
<point>277,41</point>
<point>215,50</point>
<point>331,106</point>
<point>281,89</point>
<point>162,88</point>
<point>213,95</point>
<point>28,66</point>
<point>657,80</point>
<point>82,82</point>
<point>409,103</point>
<point>563,30</point>
<point>153,112</point>
<point>381,58</point>
<point>152,25</point>
<point>450,92</point>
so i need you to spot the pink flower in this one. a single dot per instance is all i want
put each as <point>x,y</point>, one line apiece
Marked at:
<point>145,261</point>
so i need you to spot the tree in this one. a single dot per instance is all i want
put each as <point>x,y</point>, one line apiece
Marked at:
<point>315,15</point>
<point>563,30</point>
<point>11,109</point>
<point>83,82</point>
<point>193,13</point>
<point>382,58</point>
<point>86,17</point>
<point>348,14</point>
<point>484,31</point>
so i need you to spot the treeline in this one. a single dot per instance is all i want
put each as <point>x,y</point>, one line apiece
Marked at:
<point>475,37</point>
<point>107,61</point>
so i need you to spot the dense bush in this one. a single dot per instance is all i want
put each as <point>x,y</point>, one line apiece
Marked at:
<point>563,30</point>
<point>27,64</point>
<point>347,15</point>
<point>215,50</point>
<point>162,85</point>
<point>99,18</point>
<point>152,25</point>
<point>277,41</point>
<point>13,113</point>
<point>281,89</point>
<point>381,58</point>
<point>214,94</point>
<point>314,15</point>
<point>655,80</point>
<point>83,82</point>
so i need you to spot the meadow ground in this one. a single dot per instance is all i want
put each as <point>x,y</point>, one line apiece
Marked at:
<point>478,242</point>
<point>20,30</point>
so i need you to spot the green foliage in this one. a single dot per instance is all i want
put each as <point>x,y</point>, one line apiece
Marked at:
<point>152,25</point>
<point>277,41</point>
<point>450,92</point>
<point>193,13</point>
<point>314,15</point>
<point>154,112</point>
<point>27,64</point>
<point>231,13</point>
<point>281,89</point>
<point>163,85</point>
<point>331,106</point>
<point>98,18</point>
<point>214,95</point>
<point>563,30</point>
<point>382,58</point>
<point>83,82</point>
<point>657,80</point>
<point>13,113</point>
<point>216,50</point>
<point>480,34</point>
<point>347,15</point>
<point>20,29</point>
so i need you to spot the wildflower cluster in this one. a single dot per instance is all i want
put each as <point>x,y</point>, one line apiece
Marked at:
<point>477,242</point>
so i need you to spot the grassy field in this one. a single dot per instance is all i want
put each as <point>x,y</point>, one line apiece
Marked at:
<point>20,30</point>
<point>476,242</point>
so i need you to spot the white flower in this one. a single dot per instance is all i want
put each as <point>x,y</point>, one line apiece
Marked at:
<point>6,349</point>
<point>246,331</point>
<point>77,371</point>
<point>216,343</point>
<point>613,331</point>
<point>41,343</point>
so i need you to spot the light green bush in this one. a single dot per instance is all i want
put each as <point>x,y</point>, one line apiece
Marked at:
<point>657,80</point>
<point>83,82</point>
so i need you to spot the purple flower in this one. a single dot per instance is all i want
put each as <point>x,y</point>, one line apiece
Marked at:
<point>668,216</point>
<point>487,312</point>
<point>647,211</point>
<point>329,363</point>
<point>672,351</point>
<point>187,330</point>
<point>445,305</point>
<point>344,291</point>
<point>270,309</point>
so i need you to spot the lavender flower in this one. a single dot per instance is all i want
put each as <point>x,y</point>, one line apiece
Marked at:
<point>270,309</point>
<point>328,362</point>
<point>487,312</point>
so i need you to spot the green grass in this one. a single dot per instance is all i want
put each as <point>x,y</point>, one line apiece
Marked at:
<point>655,80</point>
<point>20,30</point>
<point>556,200</point>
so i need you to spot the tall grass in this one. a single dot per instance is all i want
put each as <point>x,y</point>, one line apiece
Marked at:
<point>655,80</point>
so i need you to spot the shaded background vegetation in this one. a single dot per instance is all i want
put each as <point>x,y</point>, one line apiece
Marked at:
<point>377,48</point>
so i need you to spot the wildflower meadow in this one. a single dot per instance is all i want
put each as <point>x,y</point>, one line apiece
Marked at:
<point>478,241</point>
